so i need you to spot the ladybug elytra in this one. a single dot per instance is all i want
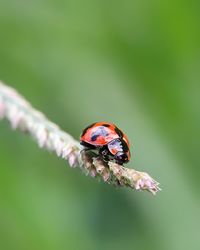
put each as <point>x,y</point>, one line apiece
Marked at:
<point>108,139</point>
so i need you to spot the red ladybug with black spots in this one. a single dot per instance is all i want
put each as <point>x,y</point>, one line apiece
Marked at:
<point>109,140</point>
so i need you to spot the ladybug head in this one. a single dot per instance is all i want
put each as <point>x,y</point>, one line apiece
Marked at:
<point>119,151</point>
<point>121,157</point>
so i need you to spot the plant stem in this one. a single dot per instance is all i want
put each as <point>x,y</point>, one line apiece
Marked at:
<point>48,135</point>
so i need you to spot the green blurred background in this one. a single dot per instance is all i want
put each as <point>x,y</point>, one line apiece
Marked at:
<point>133,63</point>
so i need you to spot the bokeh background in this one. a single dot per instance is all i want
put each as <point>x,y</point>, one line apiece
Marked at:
<point>133,63</point>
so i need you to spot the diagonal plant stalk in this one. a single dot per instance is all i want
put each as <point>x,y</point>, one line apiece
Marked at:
<point>48,135</point>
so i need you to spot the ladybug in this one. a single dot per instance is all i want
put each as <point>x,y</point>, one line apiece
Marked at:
<point>108,139</point>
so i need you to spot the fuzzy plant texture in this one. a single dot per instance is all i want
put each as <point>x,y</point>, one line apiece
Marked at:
<point>48,135</point>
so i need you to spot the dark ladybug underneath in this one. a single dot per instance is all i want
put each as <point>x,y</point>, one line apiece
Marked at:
<point>108,139</point>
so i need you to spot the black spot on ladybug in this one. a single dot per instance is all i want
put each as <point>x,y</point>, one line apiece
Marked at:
<point>94,136</point>
<point>85,130</point>
<point>99,132</point>
<point>119,132</point>
<point>106,125</point>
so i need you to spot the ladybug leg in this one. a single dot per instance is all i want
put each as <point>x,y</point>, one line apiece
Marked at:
<point>88,152</point>
<point>104,153</point>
